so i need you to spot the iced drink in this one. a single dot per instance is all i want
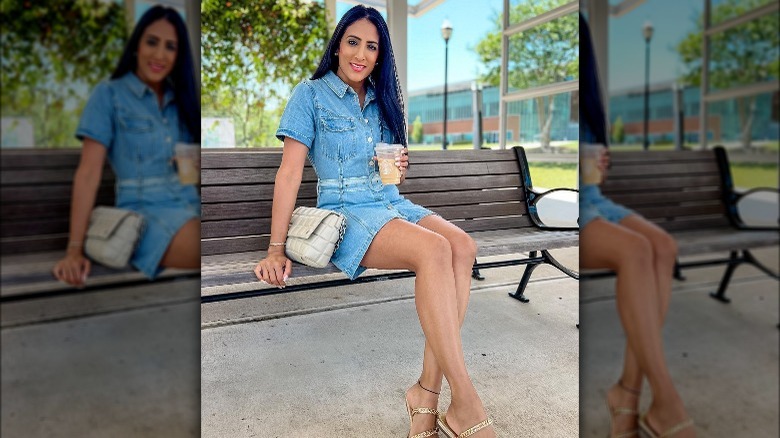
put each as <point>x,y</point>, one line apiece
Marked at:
<point>187,155</point>
<point>590,154</point>
<point>387,154</point>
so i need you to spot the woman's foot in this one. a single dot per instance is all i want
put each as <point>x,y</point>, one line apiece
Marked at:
<point>417,397</point>
<point>669,419</point>
<point>462,417</point>
<point>623,404</point>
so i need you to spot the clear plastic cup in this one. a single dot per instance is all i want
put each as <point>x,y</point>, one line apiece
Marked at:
<point>386,155</point>
<point>187,157</point>
<point>590,154</point>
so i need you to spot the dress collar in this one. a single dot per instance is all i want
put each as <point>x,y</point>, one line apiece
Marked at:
<point>340,88</point>
<point>139,87</point>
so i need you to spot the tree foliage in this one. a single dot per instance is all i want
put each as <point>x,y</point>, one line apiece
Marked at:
<point>53,53</point>
<point>541,55</point>
<point>743,55</point>
<point>252,54</point>
<point>417,130</point>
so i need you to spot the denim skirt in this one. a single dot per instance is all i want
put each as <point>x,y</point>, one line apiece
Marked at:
<point>368,205</point>
<point>595,205</point>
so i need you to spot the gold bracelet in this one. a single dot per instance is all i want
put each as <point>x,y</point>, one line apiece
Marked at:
<point>277,244</point>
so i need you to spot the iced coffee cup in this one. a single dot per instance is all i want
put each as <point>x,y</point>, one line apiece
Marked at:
<point>187,157</point>
<point>386,155</point>
<point>590,154</point>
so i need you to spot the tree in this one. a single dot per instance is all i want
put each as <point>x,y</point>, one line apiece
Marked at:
<point>541,55</point>
<point>53,53</point>
<point>618,131</point>
<point>743,55</point>
<point>252,54</point>
<point>417,130</point>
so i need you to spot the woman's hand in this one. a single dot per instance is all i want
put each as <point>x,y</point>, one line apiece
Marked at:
<point>275,269</point>
<point>403,162</point>
<point>73,269</point>
<point>603,163</point>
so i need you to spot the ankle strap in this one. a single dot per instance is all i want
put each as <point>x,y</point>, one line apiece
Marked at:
<point>636,392</point>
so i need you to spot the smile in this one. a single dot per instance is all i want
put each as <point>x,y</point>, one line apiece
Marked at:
<point>157,68</point>
<point>357,67</point>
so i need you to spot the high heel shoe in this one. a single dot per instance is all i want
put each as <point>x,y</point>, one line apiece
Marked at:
<point>441,421</point>
<point>414,411</point>
<point>650,433</point>
<point>616,412</point>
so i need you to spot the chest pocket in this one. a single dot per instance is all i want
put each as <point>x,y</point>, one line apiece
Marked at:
<point>339,136</point>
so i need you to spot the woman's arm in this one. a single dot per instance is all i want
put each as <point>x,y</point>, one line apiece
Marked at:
<point>74,268</point>
<point>276,267</point>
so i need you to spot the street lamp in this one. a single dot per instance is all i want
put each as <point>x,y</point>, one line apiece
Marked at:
<point>647,32</point>
<point>446,32</point>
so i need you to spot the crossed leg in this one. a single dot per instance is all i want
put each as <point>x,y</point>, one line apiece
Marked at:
<point>402,245</point>
<point>629,249</point>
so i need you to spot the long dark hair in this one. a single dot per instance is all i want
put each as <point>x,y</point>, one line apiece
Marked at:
<point>182,76</point>
<point>593,122</point>
<point>384,75</point>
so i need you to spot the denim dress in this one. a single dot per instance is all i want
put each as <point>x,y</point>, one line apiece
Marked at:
<point>125,117</point>
<point>325,115</point>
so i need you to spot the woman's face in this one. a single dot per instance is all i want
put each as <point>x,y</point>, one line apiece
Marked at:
<point>157,53</point>
<point>358,53</point>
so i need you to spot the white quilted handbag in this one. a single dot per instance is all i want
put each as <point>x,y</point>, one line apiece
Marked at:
<point>112,235</point>
<point>313,235</point>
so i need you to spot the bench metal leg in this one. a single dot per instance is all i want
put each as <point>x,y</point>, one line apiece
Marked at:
<point>720,295</point>
<point>677,271</point>
<point>748,257</point>
<point>529,268</point>
<point>475,272</point>
<point>549,259</point>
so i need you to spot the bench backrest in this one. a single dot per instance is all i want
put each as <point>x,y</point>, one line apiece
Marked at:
<point>678,190</point>
<point>476,189</point>
<point>36,195</point>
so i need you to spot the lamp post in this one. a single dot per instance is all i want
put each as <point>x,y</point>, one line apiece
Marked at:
<point>446,32</point>
<point>647,31</point>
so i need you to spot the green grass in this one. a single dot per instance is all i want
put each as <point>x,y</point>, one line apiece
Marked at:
<point>749,175</point>
<point>553,175</point>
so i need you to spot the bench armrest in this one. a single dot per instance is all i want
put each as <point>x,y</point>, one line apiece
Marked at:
<point>734,212</point>
<point>533,209</point>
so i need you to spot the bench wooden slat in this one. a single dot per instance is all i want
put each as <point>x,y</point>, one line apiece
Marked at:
<point>10,212</point>
<point>466,197</point>
<point>696,223</point>
<point>723,239</point>
<point>58,192</point>
<point>40,158</point>
<point>258,192</point>
<point>46,176</point>
<point>621,158</point>
<point>31,227</point>
<point>667,197</point>
<point>33,244</point>
<point>654,170</point>
<point>680,212</point>
<point>642,185</point>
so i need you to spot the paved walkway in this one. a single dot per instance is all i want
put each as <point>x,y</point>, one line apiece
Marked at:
<point>315,371</point>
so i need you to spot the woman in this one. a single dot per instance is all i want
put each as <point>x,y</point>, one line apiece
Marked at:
<point>616,238</point>
<point>352,102</point>
<point>135,119</point>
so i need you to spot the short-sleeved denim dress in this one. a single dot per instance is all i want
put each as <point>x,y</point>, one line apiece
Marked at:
<point>124,115</point>
<point>325,115</point>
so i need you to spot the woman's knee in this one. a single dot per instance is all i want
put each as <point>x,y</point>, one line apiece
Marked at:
<point>464,248</point>
<point>633,250</point>
<point>665,247</point>
<point>432,250</point>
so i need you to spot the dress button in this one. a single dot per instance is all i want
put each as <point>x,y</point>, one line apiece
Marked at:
<point>389,207</point>
<point>168,139</point>
<point>370,139</point>
<point>365,120</point>
<point>165,121</point>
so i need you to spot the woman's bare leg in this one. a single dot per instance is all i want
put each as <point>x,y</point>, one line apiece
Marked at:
<point>664,256</point>
<point>401,245</point>
<point>464,250</point>
<point>629,254</point>
<point>184,249</point>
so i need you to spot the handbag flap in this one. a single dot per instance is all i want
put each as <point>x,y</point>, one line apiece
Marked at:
<point>305,220</point>
<point>104,221</point>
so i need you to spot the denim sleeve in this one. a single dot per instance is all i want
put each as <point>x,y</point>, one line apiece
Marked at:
<point>298,118</point>
<point>97,121</point>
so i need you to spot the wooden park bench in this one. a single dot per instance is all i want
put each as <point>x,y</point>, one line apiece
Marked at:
<point>691,195</point>
<point>488,193</point>
<point>34,221</point>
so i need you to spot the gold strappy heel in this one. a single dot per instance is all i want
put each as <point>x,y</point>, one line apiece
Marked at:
<point>412,412</point>
<point>441,421</point>
<point>668,433</point>
<point>616,412</point>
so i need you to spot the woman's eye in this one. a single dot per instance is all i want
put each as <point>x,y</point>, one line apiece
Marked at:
<point>352,42</point>
<point>151,42</point>
<point>372,47</point>
<point>171,47</point>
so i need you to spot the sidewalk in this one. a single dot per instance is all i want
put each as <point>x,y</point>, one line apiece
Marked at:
<point>336,362</point>
<point>724,358</point>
